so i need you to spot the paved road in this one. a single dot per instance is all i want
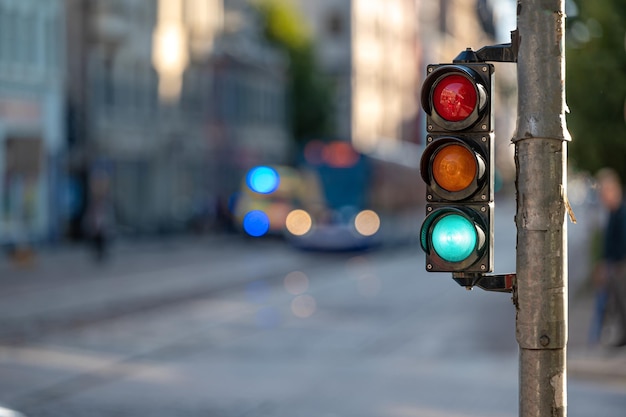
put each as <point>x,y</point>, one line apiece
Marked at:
<point>233,327</point>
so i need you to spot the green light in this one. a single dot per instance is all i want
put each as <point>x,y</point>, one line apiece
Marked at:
<point>454,238</point>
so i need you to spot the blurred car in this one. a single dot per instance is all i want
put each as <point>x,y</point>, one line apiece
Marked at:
<point>267,195</point>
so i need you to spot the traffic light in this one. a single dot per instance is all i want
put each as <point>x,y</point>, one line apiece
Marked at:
<point>458,168</point>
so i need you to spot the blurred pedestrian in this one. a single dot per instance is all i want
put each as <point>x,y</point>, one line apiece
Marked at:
<point>610,275</point>
<point>99,219</point>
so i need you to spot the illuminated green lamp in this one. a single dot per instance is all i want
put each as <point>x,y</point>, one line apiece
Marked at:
<point>454,238</point>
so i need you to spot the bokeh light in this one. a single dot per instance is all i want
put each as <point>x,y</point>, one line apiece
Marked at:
<point>296,282</point>
<point>340,155</point>
<point>263,179</point>
<point>298,222</point>
<point>256,223</point>
<point>303,306</point>
<point>367,222</point>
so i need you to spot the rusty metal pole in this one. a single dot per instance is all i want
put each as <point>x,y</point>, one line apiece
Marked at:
<point>541,162</point>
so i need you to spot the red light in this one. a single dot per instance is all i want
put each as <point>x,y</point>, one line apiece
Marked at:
<point>340,155</point>
<point>455,98</point>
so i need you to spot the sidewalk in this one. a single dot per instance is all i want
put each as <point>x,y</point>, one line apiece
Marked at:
<point>597,363</point>
<point>64,287</point>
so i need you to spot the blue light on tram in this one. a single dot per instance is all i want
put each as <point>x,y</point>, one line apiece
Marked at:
<point>263,179</point>
<point>256,223</point>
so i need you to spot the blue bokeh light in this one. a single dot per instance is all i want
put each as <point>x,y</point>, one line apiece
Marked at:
<point>263,179</point>
<point>256,223</point>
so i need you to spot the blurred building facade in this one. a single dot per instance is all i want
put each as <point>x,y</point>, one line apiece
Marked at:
<point>451,26</point>
<point>376,53</point>
<point>370,50</point>
<point>32,128</point>
<point>173,100</point>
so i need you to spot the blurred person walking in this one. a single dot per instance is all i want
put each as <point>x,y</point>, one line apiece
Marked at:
<point>610,275</point>
<point>99,219</point>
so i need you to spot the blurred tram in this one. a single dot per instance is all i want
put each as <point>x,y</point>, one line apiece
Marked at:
<point>353,201</point>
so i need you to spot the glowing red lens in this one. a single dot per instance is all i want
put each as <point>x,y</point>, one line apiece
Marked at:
<point>455,98</point>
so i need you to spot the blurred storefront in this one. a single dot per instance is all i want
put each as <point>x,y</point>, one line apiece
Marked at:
<point>180,98</point>
<point>32,133</point>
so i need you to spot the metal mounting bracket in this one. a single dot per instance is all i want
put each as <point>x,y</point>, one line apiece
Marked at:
<point>504,52</point>
<point>488,282</point>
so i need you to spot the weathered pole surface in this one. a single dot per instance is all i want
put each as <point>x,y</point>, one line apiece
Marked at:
<point>540,156</point>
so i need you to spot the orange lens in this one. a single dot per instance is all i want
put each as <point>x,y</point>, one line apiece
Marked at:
<point>454,167</point>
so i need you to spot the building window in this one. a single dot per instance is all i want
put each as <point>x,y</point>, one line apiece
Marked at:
<point>335,24</point>
<point>51,41</point>
<point>20,37</point>
<point>4,36</point>
<point>8,37</point>
<point>30,37</point>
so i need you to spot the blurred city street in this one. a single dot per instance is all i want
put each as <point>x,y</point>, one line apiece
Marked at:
<point>228,326</point>
<point>216,207</point>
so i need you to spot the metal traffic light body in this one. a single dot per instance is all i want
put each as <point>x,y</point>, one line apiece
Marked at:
<point>458,168</point>
<point>458,238</point>
<point>474,81</point>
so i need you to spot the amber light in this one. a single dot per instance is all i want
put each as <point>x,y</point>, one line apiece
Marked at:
<point>298,222</point>
<point>454,167</point>
<point>367,223</point>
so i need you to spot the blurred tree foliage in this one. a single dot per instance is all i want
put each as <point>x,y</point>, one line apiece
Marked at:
<point>596,84</point>
<point>310,94</point>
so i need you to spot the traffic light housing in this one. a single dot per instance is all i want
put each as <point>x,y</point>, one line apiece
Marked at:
<point>458,168</point>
